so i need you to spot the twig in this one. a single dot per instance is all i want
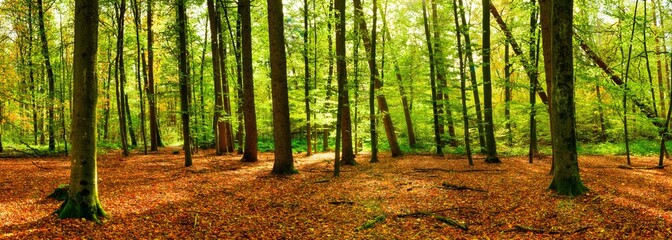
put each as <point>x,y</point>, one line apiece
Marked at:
<point>460,188</point>
<point>458,171</point>
<point>38,166</point>
<point>522,228</point>
<point>342,202</point>
<point>321,181</point>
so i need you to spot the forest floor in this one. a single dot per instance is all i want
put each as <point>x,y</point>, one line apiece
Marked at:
<point>412,197</point>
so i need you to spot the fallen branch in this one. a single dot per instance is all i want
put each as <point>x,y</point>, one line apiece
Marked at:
<point>342,202</point>
<point>451,171</point>
<point>441,218</point>
<point>522,228</point>
<point>460,188</point>
<point>38,166</point>
<point>633,167</point>
<point>321,181</point>
<point>38,153</point>
<point>370,223</point>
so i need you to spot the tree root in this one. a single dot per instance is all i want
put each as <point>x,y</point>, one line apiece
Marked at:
<point>455,171</point>
<point>460,188</point>
<point>444,219</point>
<point>370,223</point>
<point>633,167</point>
<point>522,228</point>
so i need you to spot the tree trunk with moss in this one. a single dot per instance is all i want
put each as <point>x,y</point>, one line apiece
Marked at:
<point>566,179</point>
<point>463,87</point>
<point>432,77</point>
<point>83,201</point>
<point>284,161</point>
<point>220,136</point>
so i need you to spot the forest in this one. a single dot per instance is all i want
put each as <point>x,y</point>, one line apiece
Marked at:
<point>321,119</point>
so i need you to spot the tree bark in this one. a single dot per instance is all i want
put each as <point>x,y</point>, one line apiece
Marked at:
<point>83,201</point>
<point>534,75</point>
<point>341,71</point>
<point>306,78</point>
<point>250,151</point>
<point>382,102</point>
<point>284,162</point>
<point>566,180</point>
<point>50,76</point>
<point>372,87</point>
<point>228,128</point>
<point>184,79</point>
<point>219,128</point>
<point>136,13</point>
<point>463,86</point>
<point>487,88</point>
<point>120,78</point>
<point>154,133</point>
<point>432,76</point>
<point>472,74</point>
<point>131,130</point>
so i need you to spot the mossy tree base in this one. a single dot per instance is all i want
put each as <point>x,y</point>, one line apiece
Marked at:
<point>570,186</point>
<point>492,159</point>
<point>80,208</point>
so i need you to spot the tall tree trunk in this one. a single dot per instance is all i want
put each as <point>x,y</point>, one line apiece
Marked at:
<point>472,74</point>
<point>463,86</point>
<point>83,201</point>
<point>284,162</point>
<point>184,79</point>
<point>325,133</point>
<point>625,87</point>
<point>382,102</point>
<point>432,74</point>
<point>566,180</point>
<point>120,78</point>
<point>228,129</point>
<point>218,124</point>
<point>155,135</point>
<point>487,88</point>
<point>31,75</point>
<point>342,74</point>
<point>442,93</point>
<point>306,78</point>
<point>665,134</point>
<point>507,95</point>
<point>108,98</point>
<point>64,74</point>
<point>50,76</point>
<point>138,73</point>
<point>545,18</point>
<point>372,88</point>
<point>250,153</point>
<point>533,83</point>
<point>348,156</point>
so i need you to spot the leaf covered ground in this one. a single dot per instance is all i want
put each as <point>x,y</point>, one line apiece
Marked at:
<point>412,197</point>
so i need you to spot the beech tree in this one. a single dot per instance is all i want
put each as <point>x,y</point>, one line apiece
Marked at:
<point>82,200</point>
<point>184,79</point>
<point>566,178</point>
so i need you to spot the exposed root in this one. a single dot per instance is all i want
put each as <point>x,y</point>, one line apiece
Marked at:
<point>460,188</point>
<point>371,223</point>
<point>444,219</point>
<point>455,171</point>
